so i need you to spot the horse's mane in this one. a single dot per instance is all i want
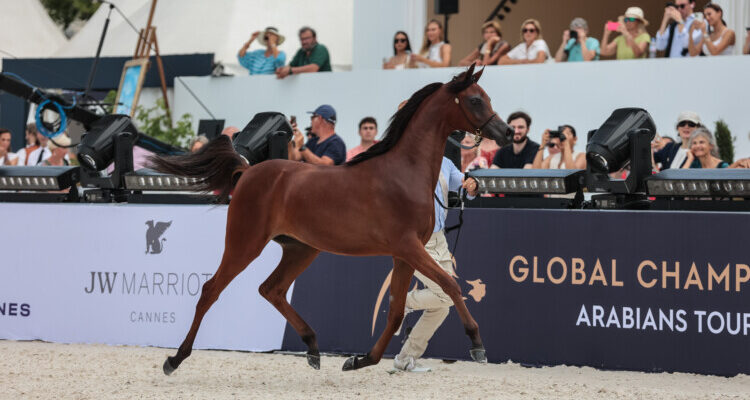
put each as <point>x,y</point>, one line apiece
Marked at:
<point>401,118</point>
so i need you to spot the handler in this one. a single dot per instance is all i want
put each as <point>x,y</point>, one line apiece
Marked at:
<point>435,303</point>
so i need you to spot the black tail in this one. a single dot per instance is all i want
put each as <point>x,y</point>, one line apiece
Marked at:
<point>215,166</point>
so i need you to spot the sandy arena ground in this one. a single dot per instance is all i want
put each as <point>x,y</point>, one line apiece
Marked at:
<point>39,370</point>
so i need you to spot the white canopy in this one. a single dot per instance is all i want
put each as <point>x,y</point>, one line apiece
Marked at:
<point>27,30</point>
<point>219,27</point>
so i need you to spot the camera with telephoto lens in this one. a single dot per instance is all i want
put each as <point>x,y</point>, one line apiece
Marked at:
<point>558,133</point>
<point>573,34</point>
<point>671,4</point>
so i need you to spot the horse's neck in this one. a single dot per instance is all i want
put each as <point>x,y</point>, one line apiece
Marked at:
<point>422,144</point>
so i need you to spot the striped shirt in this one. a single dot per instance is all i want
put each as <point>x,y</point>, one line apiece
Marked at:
<point>257,63</point>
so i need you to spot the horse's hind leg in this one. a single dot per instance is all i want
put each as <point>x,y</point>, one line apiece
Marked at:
<point>421,261</point>
<point>400,280</point>
<point>296,258</point>
<point>235,259</point>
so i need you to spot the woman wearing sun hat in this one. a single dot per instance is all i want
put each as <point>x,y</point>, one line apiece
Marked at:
<point>263,61</point>
<point>633,40</point>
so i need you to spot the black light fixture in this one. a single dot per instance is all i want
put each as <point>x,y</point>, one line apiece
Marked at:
<point>34,184</point>
<point>623,140</point>
<point>529,188</point>
<point>265,137</point>
<point>719,189</point>
<point>148,186</point>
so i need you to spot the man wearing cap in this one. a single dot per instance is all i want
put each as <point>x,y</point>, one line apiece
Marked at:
<point>673,155</point>
<point>326,147</point>
<point>263,61</point>
<point>672,37</point>
<point>312,57</point>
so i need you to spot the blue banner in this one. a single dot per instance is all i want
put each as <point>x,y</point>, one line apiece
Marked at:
<point>649,291</point>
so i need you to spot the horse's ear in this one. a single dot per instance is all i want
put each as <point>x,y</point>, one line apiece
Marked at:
<point>478,75</point>
<point>469,72</point>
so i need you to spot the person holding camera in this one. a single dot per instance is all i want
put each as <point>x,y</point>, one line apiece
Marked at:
<point>263,61</point>
<point>561,144</point>
<point>633,40</point>
<point>716,39</point>
<point>576,45</point>
<point>325,147</point>
<point>672,37</point>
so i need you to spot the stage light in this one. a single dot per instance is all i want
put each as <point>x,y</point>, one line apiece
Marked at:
<point>700,183</point>
<point>608,148</point>
<point>528,181</point>
<point>97,148</point>
<point>148,179</point>
<point>265,137</point>
<point>38,178</point>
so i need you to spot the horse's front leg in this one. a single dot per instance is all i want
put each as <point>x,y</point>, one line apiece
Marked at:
<point>400,279</point>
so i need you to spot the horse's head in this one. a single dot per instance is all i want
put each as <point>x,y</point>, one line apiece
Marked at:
<point>475,113</point>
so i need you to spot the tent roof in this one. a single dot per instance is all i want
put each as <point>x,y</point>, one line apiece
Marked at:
<point>218,26</point>
<point>27,30</point>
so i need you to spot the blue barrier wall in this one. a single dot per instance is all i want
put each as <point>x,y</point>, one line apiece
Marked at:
<point>650,291</point>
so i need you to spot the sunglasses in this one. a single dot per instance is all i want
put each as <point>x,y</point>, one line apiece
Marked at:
<point>631,19</point>
<point>551,145</point>
<point>687,123</point>
<point>524,30</point>
<point>680,6</point>
<point>399,40</point>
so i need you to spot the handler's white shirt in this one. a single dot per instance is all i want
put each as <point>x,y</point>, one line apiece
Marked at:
<point>521,52</point>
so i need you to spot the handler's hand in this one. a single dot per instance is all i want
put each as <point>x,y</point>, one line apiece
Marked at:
<point>471,186</point>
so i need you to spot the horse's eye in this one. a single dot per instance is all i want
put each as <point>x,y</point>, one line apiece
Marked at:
<point>475,101</point>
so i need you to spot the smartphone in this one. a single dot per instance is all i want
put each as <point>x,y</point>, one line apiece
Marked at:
<point>293,120</point>
<point>748,29</point>
<point>612,26</point>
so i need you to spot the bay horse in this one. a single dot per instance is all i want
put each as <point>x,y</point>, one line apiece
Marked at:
<point>379,203</point>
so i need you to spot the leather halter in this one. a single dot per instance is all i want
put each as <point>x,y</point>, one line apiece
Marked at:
<point>478,134</point>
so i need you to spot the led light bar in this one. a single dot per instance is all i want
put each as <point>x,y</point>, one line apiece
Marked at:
<point>38,178</point>
<point>147,179</point>
<point>528,181</point>
<point>720,182</point>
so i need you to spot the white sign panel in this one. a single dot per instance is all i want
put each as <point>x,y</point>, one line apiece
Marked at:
<point>127,274</point>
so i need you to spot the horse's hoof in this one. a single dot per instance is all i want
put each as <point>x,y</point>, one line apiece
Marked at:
<point>313,360</point>
<point>168,368</point>
<point>357,362</point>
<point>350,364</point>
<point>479,355</point>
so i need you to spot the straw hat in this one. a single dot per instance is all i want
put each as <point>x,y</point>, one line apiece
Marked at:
<point>262,38</point>
<point>637,13</point>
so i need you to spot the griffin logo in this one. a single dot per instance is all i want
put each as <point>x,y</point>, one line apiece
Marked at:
<point>154,241</point>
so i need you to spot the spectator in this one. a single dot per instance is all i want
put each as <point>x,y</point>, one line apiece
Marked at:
<point>312,57</point>
<point>532,50</point>
<point>435,53</point>
<point>32,143</point>
<point>230,131</point>
<point>672,37</point>
<point>633,40</point>
<point>368,130</point>
<point>520,153</point>
<point>263,61</point>
<point>673,155</point>
<point>578,47</point>
<point>746,48</point>
<point>718,40</point>
<point>326,147</point>
<point>58,148</point>
<point>401,53</point>
<point>487,150</point>
<point>42,153</point>
<point>198,142</point>
<point>491,49</point>
<point>6,156</point>
<point>561,144</point>
<point>703,151</point>
<point>470,158</point>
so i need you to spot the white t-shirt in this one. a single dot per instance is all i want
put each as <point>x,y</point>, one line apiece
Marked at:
<point>9,156</point>
<point>520,52</point>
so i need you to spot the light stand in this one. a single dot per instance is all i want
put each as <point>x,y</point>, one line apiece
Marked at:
<point>98,51</point>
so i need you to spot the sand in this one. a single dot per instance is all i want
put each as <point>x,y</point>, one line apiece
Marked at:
<point>38,370</point>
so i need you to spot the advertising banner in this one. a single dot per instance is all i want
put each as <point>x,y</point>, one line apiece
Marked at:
<point>127,274</point>
<point>651,291</point>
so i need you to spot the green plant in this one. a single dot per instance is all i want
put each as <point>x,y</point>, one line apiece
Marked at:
<point>725,141</point>
<point>155,123</point>
<point>64,12</point>
<point>109,101</point>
